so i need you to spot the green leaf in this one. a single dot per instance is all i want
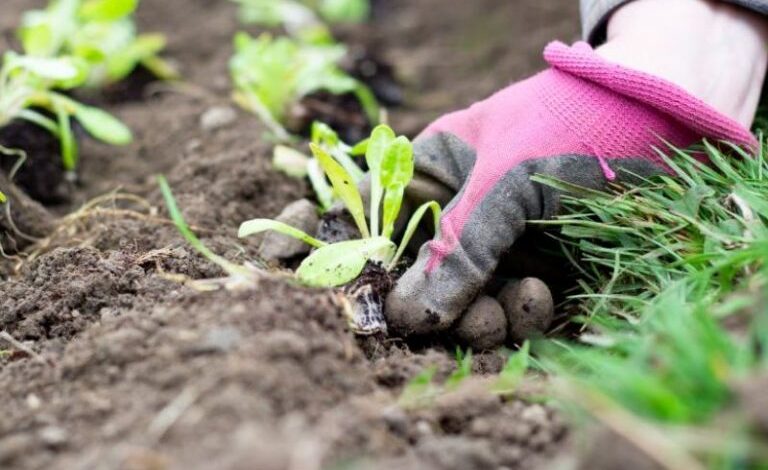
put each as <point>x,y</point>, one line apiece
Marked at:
<point>368,102</point>
<point>397,165</point>
<point>381,137</point>
<point>66,138</point>
<point>513,372</point>
<point>2,197</point>
<point>345,11</point>
<point>61,69</point>
<point>317,179</point>
<point>326,137</point>
<point>420,390</point>
<point>344,187</point>
<point>323,134</point>
<point>337,264</point>
<point>107,10</point>
<point>413,224</point>
<point>103,126</point>
<point>396,174</point>
<point>122,63</point>
<point>36,34</point>
<point>290,161</point>
<point>393,201</point>
<point>359,148</point>
<point>181,224</point>
<point>255,226</point>
<point>463,369</point>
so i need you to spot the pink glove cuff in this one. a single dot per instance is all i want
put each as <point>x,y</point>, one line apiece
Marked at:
<point>582,61</point>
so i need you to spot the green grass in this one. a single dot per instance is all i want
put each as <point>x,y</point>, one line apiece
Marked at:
<point>663,268</point>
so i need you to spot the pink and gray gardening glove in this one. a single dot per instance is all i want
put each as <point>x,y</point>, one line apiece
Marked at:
<point>583,120</point>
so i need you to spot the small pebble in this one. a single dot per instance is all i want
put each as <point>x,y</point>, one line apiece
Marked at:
<point>33,401</point>
<point>221,339</point>
<point>423,428</point>
<point>14,446</point>
<point>217,117</point>
<point>484,326</point>
<point>529,307</point>
<point>301,214</point>
<point>53,436</point>
<point>536,415</point>
<point>396,420</point>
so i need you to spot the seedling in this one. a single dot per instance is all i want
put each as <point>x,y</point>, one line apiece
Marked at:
<point>513,372</point>
<point>390,160</point>
<point>27,86</point>
<point>298,17</point>
<point>272,74</point>
<point>463,369</point>
<point>296,164</point>
<point>420,391</point>
<point>101,33</point>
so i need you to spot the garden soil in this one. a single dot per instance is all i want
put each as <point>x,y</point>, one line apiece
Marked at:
<point>124,365</point>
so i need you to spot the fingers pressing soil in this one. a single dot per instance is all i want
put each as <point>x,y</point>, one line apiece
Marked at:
<point>529,307</point>
<point>484,326</point>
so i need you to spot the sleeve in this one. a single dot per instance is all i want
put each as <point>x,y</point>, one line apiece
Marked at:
<point>595,15</point>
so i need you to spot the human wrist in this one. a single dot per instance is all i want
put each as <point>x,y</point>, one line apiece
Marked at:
<point>717,52</point>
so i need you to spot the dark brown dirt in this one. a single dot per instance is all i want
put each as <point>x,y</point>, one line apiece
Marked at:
<point>135,369</point>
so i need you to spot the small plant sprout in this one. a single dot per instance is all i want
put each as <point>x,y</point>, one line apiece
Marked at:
<point>301,17</point>
<point>296,164</point>
<point>27,87</point>
<point>463,369</point>
<point>513,372</point>
<point>391,163</point>
<point>238,274</point>
<point>298,20</point>
<point>101,33</point>
<point>420,391</point>
<point>272,74</point>
<point>390,159</point>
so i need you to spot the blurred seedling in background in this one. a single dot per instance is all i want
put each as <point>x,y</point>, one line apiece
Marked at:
<point>272,75</point>
<point>27,92</point>
<point>422,390</point>
<point>295,163</point>
<point>303,19</point>
<point>100,33</point>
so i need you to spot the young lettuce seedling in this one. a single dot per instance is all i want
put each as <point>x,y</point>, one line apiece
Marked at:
<point>101,33</point>
<point>390,160</point>
<point>296,164</point>
<point>27,86</point>
<point>271,74</point>
<point>299,17</point>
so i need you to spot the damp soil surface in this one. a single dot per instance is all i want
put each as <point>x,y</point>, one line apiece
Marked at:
<point>121,364</point>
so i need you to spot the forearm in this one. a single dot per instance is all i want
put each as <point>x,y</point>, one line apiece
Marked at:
<point>719,53</point>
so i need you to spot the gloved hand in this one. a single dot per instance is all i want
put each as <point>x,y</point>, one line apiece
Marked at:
<point>583,120</point>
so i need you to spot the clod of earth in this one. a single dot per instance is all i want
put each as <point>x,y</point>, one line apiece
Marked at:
<point>301,214</point>
<point>22,219</point>
<point>484,326</point>
<point>363,300</point>
<point>529,307</point>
